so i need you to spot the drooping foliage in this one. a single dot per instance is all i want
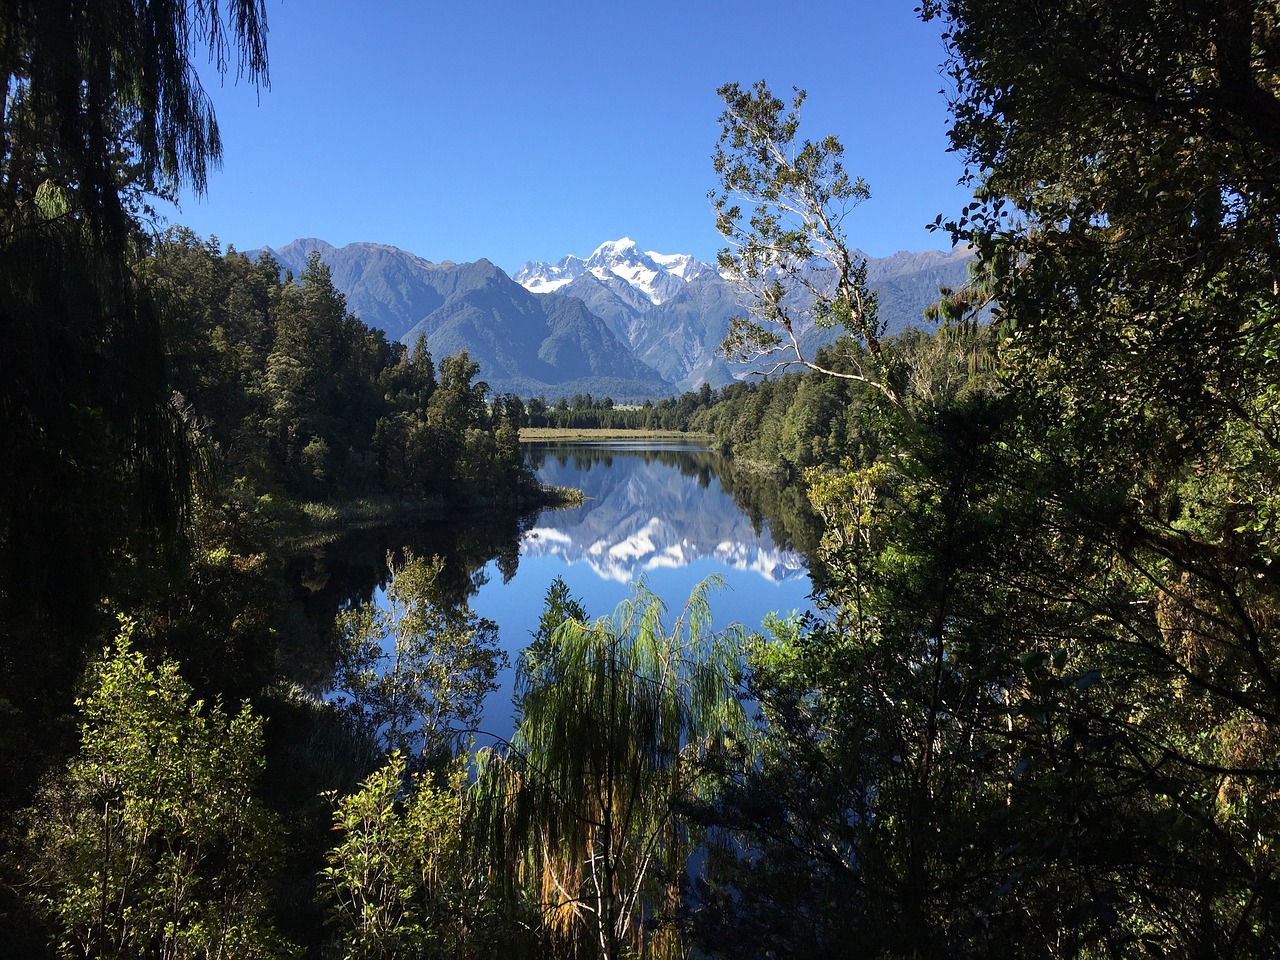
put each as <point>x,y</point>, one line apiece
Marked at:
<point>616,720</point>
<point>103,108</point>
<point>104,99</point>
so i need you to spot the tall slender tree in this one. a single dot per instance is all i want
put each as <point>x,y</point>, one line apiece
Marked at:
<point>102,108</point>
<point>788,249</point>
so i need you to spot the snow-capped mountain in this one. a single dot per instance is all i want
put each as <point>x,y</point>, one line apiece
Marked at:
<point>524,344</point>
<point>623,322</point>
<point>539,277</point>
<point>657,544</point>
<point>680,264</point>
<point>658,276</point>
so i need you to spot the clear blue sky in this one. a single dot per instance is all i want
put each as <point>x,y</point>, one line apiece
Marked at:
<point>520,131</point>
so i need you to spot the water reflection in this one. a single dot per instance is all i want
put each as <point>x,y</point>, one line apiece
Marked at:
<point>650,508</point>
<point>333,575</point>
<point>673,514</point>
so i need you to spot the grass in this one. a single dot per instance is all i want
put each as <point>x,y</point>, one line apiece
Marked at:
<point>328,521</point>
<point>366,512</point>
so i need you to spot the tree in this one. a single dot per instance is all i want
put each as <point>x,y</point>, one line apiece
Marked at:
<point>153,842</point>
<point>413,672</point>
<point>510,472</point>
<point>788,251</point>
<point>396,882</point>
<point>1126,217</point>
<point>889,738</point>
<point>301,367</point>
<point>463,431</point>
<point>615,719</point>
<point>102,109</point>
<point>97,94</point>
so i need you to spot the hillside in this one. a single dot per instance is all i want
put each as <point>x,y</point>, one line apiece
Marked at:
<point>622,322</point>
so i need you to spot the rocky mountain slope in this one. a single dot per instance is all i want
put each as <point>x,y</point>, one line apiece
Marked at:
<point>622,321</point>
<point>525,343</point>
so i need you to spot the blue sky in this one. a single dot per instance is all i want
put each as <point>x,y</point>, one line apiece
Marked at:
<point>519,131</point>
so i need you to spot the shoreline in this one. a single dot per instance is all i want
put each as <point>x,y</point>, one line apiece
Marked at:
<point>540,434</point>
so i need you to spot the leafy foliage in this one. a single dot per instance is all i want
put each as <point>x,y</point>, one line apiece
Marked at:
<point>792,240</point>
<point>105,100</point>
<point>153,842</point>
<point>1126,217</point>
<point>414,670</point>
<point>1033,721</point>
<point>300,394</point>
<point>396,880</point>
<point>103,109</point>
<point>616,718</point>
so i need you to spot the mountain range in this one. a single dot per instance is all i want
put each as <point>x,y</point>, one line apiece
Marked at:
<point>623,322</point>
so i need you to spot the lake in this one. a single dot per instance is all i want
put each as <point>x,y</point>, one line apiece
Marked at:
<point>667,513</point>
<point>670,513</point>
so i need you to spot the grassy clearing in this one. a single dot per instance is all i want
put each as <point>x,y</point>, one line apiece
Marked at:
<point>326,522</point>
<point>320,523</point>
<point>591,433</point>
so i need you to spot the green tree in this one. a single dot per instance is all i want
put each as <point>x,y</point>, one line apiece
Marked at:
<point>615,719</point>
<point>889,736</point>
<point>96,94</point>
<point>396,881</point>
<point>218,333</point>
<point>788,249</point>
<point>558,607</point>
<point>1054,628</point>
<point>413,672</point>
<point>300,370</point>
<point>1126,217</point>
<point>153,842</point>
<point>411,379</point>
<point>102,108</point>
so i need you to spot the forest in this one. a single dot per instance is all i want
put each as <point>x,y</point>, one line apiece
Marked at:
<point>1034,712</point>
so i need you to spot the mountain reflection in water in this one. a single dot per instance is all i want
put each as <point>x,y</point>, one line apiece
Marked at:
<point>668,514</point>
<point>650,508</point>
<point>672,514</point>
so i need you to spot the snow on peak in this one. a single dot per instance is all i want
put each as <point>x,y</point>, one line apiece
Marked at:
<point>613,250</point>
<point>539,277</point>
<point>658,276</point>
<point>537,284</point>
<point>679,264</point>
<point>655,544</point>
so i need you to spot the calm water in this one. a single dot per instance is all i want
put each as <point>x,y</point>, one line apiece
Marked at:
<point>671,514</point>
<point>660,513</point>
